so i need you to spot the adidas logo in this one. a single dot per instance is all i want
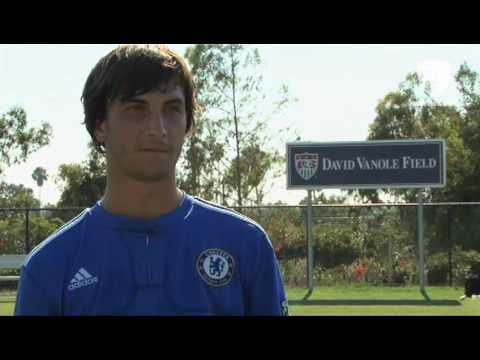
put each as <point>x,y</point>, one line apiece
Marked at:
<point>82,278</point>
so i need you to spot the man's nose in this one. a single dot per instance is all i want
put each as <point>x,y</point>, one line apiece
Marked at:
<point>155,124</point>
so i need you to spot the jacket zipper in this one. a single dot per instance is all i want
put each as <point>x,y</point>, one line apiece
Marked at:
<point>148,265</point>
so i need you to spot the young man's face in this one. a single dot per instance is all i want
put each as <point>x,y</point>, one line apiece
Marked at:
<point>143,135</point>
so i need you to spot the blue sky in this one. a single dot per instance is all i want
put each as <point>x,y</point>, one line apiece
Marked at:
<point>337,87</point>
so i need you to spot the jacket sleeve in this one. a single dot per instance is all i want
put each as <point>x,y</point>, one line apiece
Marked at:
<point>266,294</point>
<point>32,299</point>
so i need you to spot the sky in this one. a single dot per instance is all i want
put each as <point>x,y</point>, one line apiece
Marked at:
<point>337,88</point>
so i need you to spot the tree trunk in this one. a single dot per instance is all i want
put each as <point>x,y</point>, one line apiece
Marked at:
<point>194,166</point>
<point>237,137</point>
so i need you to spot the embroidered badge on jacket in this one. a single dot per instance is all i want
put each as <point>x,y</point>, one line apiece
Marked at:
<point>215,267</point>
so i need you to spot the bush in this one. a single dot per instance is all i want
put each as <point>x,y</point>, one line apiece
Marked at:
<point>12,231</point>
<point>294,272</point>
<point>336,247</point>
<point>330,276</point>
<point>438,269</point>
<point>464,262</point>
<point>375,271</point>
<point>41,228</point>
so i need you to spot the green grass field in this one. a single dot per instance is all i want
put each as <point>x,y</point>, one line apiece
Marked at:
<point>358,300</point>
<point>7,303</point>
<point>372,301</point>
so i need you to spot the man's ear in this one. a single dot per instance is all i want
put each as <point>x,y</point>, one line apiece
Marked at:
<point>190,132</point>
<point>101,131</point>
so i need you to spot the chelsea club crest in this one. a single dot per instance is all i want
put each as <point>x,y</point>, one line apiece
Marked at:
<point>215,267</point>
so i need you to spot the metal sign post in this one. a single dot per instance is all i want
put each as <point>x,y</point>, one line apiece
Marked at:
<point>376,164</point>
<point>421,252</point>
<point>310,249</point>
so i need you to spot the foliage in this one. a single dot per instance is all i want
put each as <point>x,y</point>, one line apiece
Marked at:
<point>229,157</point>
<point>410,112</point>
<point>39,175</point>
<point>82,185</point>
<point>17,141</point>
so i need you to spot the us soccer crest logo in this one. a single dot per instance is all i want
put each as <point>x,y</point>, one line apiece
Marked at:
<point>215,267</point>
<point>306,165</point>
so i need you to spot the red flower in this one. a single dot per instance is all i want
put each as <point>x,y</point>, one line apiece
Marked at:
<point>359,271</point>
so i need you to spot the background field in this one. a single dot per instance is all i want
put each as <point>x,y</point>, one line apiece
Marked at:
<point>7,302</point>
<point>368,300</point>
<point>358,300</point>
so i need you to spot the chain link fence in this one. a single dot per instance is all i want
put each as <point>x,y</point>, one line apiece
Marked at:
<point>22,229</point>
<point>374,244</point>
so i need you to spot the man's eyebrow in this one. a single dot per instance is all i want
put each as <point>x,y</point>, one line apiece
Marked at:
<point>138,100</point>
<point>175,101</point>
<point>133,99</point>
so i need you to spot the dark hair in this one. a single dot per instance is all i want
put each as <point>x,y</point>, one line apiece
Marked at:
<point>131,70</point>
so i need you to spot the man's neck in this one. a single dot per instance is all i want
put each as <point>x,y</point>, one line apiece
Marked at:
<point>142,200</point>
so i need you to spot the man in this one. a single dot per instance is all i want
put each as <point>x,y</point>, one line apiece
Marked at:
<point>147,248</point>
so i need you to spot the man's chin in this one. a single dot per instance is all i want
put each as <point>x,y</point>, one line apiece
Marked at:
<point>151,177</point>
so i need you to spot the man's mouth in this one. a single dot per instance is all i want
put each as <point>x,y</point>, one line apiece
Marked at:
<point>155,150</point>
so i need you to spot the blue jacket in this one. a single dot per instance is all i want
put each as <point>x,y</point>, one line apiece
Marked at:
<point>201,259</point>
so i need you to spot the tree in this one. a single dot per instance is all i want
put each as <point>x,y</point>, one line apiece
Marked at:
<point>13,223</point>
<point>17,196</point>
<point>82,184</point>
<point>320,198</point>
<point>254,163</point>
<point>39,175</point>
<point>230,125</point>
<point>468,84</point>
<point>411,113</point>
<point>204,149</point>
<point>17,141</point>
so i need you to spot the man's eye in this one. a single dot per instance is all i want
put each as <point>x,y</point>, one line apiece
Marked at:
<point>175,108</point>
<point>136,107</point>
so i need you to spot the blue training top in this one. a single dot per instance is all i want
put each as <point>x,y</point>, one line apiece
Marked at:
<point>201,259</point>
